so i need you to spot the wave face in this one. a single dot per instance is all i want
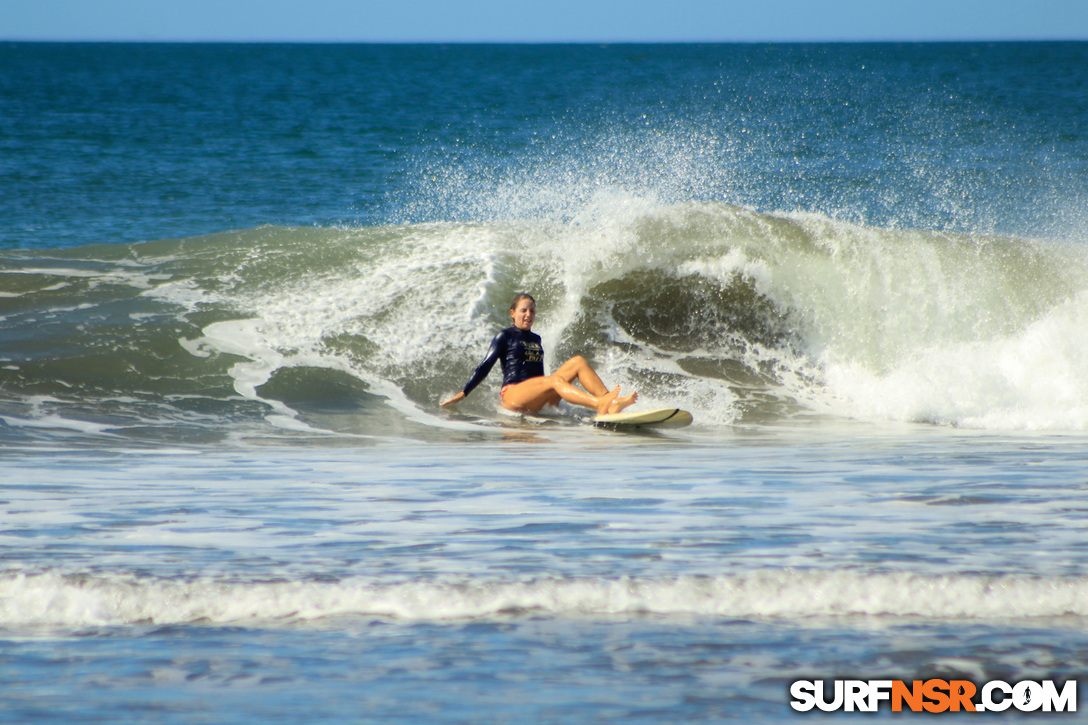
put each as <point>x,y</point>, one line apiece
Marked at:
<point>55,600</point>
<point>741,317</point>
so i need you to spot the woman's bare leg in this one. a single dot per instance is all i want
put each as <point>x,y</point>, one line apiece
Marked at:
<point>578,369</point>
<point>531,395</point>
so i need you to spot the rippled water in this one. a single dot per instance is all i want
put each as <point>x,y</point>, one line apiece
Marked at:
<point>235,281</point>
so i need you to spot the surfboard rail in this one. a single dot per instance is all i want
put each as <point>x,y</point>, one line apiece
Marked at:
<point>657,418</point>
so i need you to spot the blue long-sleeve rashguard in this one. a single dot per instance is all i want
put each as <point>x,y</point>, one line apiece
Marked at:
<point>519,352</point>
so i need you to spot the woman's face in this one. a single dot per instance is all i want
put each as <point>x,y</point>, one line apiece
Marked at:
<point>524,314</point>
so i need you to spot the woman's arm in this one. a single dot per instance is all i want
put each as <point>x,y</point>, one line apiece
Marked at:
<point>493,353</point>
<point>455,399</point>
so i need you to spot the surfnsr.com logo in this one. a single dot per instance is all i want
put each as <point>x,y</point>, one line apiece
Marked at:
<point>933,696</point>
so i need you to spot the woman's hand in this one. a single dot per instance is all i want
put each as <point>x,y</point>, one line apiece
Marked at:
<point>455,399</point>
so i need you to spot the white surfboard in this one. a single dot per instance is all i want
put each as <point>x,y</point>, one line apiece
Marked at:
<point>659,418</point>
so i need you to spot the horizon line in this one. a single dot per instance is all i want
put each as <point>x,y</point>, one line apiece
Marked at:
<point>336,41</point>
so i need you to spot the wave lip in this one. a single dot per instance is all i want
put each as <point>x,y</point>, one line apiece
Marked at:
<point>58,600</point>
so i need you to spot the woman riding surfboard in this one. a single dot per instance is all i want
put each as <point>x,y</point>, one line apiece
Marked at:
<point>525,387</point>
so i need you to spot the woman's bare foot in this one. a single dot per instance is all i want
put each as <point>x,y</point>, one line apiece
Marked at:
<point>606,400</point>
<point>620,403</point>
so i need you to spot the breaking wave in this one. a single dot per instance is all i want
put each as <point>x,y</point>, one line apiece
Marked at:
<point>57,600</point>
<point>740,316</point>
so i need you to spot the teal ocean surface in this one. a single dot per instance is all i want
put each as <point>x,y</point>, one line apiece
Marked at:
<point>236,281</point>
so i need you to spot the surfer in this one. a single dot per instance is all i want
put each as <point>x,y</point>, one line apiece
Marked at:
<point>525,387</point>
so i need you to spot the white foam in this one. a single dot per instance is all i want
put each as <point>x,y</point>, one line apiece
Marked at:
<point>55,271</point>
<point>56,422</point>
<point>244,338</point>
<point>184,293</point>
<point>54,599</point>
<point>906,325</point>
<point>138,280</point>
<point>40,417</point>
<point>1036,379</point>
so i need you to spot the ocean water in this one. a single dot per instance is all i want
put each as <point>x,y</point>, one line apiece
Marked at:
<point>236,280</point>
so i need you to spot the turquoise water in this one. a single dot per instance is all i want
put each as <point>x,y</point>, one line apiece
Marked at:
<point>236,280</point>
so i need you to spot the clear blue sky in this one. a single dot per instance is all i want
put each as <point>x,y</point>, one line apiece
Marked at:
<point>543,20</point>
